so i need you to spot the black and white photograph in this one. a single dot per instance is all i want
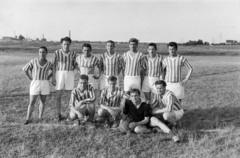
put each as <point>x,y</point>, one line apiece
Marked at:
<point>120,79</point>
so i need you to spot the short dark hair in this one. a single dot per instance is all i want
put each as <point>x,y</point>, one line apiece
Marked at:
<point>153,44</point>
<point>43,47</point>
<point>83,77</point>
<point>173,44</point>
<point>66,39</point>
<point>161,82</point>
<point>112,78</point>
<point>135,90</point>
<point>110,41</point>
<point>87,45</point>
<point>133,40</point>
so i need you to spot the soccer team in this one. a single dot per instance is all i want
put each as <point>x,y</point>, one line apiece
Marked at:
<point>157,77</point>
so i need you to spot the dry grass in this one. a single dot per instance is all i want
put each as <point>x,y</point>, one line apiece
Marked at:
<point>210,128</point>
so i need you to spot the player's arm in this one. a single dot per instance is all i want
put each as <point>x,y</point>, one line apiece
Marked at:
<point>190,70</point>
<point>97,63</point>
<point>92,97</point>
<point>168,107</point>
<point>143,122</point>
<point>103,103</point>
<point>72,104</point>
<point>27,74</point>
<point>27,68</point>
<point>54,68</point>
<point>164,70</point>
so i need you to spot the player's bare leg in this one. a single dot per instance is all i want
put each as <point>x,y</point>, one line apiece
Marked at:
<point>147,96</point>
<point>58,104</point>
<point>32,101</point>
<point>155,122</point>
<point>42,105</point>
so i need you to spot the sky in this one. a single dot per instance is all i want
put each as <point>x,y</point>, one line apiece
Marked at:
<point>119,20</point>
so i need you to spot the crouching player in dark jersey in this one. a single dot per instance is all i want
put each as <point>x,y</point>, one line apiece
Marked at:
<point>135,114</point>
<point>82,101</point>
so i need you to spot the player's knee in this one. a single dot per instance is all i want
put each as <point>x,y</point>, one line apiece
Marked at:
<point>138,129</point>
<point>153,120</point>
<point>101,112</point>
<point>166,116</point>
<point>72,115</point>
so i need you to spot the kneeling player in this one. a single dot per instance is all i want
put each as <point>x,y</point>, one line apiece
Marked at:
<point>165,108</point>
<point>110,102</point>
<point>135,114</point>
<point>82,100</point>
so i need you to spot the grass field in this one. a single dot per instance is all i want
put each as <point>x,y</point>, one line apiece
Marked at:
<point>210,128</point>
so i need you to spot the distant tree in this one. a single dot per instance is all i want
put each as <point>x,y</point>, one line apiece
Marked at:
<point>206,43</point>
<point>199,42</point>
<point>21,37</point>
<point>37,39</point>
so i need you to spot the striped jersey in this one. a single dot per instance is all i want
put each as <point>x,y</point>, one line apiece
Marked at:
<point>38,72</point>
<point>87,64</point>
<point>77,95</point>
<point>153,66</point>
<point>64,61</point>
<point>132,65</point>
<point>173,66</point>
<point>168,100</point>
<point>111,65</point>
<point>111,100</point>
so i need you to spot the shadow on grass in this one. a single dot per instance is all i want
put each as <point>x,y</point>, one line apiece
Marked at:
<point>213,118</point>
<point>196,123</point>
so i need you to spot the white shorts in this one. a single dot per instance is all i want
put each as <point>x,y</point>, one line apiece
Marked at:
<point>104,81</point>
<point>179,114</point>
<point>93,82</point>
<point>64,79</point>
<point>177,89</point>
<point>132,82</point>
<point>149,84</point>
<point>39,87</point>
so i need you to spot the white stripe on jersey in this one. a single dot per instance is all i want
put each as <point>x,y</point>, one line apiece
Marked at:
<point>111,65</point>
<point>38,72</point>
<point>111,100</point>
<point>64,61</point>
<point>77,95</point>
<point>131,64</point>
<point>173,66</point>
<point>89,62</point>
<point>153,66</point>
<point>168,100</point>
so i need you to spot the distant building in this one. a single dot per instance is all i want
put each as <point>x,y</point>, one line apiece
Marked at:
<point>231,42</point>
<point>7,38</point>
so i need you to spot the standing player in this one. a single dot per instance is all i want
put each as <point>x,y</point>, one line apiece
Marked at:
<point>110,65</point>
<point>63,72</point>
<point>165,107</point>
<point>152,64</point>
<point>39,86</point>
<point>132,65</point>
<point>82,101</point>
<point>110,102</point>
<point>86,64</point>
<point>173,64</point>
